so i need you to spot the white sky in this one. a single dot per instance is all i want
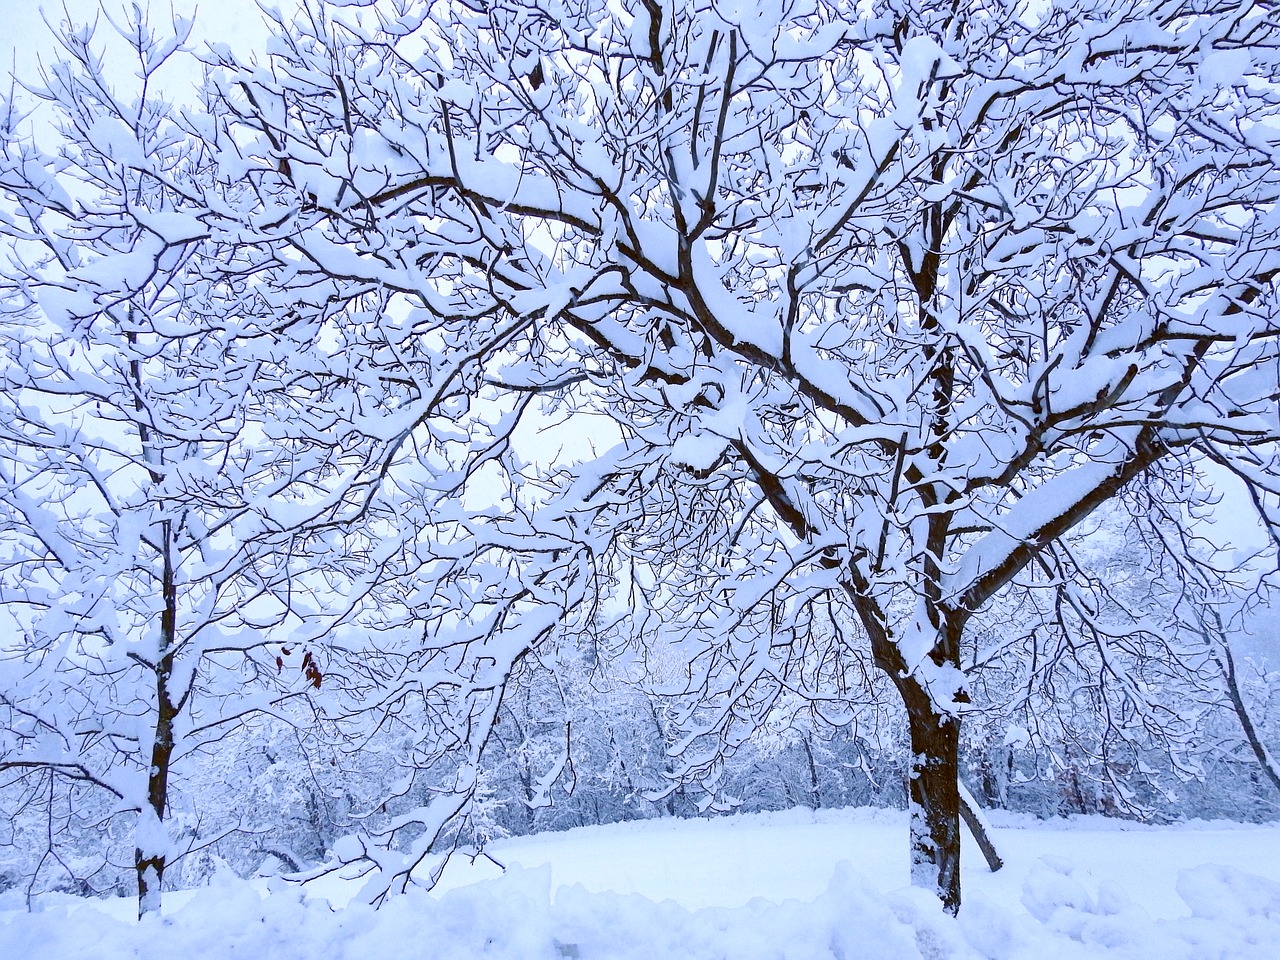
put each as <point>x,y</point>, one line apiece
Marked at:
<point>25,39</point>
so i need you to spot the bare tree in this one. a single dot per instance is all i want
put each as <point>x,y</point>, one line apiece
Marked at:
<point>139,582</point>
<point>871,307</point>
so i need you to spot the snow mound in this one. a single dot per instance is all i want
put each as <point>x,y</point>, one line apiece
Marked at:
<point>1233,915</point>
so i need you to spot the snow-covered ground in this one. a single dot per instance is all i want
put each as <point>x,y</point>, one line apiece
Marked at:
<point>789,886</point>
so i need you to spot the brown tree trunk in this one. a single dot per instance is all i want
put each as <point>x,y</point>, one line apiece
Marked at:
<point>933,790</point>
<point>1227,664</point>
<point>150,856</point>
<point>149,859</point>
<point>934,799</point>
<point>815,790</point>
<point>973,820</point>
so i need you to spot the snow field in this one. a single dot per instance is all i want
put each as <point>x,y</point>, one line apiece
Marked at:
<point>789,886</point>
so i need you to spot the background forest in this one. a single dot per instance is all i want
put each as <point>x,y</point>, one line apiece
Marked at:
<point>586,739</point>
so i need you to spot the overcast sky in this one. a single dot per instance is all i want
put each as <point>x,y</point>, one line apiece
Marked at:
<point>24,37</point>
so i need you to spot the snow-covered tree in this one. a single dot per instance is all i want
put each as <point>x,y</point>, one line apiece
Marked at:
<point>139,582</point>
<point>867,305</point>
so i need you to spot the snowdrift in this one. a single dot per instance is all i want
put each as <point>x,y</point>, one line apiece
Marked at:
<point>1061,912</point>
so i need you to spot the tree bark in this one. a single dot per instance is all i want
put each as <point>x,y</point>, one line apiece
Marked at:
<point>973,820</point>
<point>815,790</point>
<point>933,789</point>
<point>1227,664</point>
<point>1220,649</point>
<point>934,800</point>
<point>150,856</point>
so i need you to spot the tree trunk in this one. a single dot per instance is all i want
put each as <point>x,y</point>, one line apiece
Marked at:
<point>150,856</point>
<point>667,765</point>
<point>151,852</point>
<point>933,795</point>
<point>1227,664</point>
<point>934,799</point>
<point>815,790</point>
<point>973,819</point>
